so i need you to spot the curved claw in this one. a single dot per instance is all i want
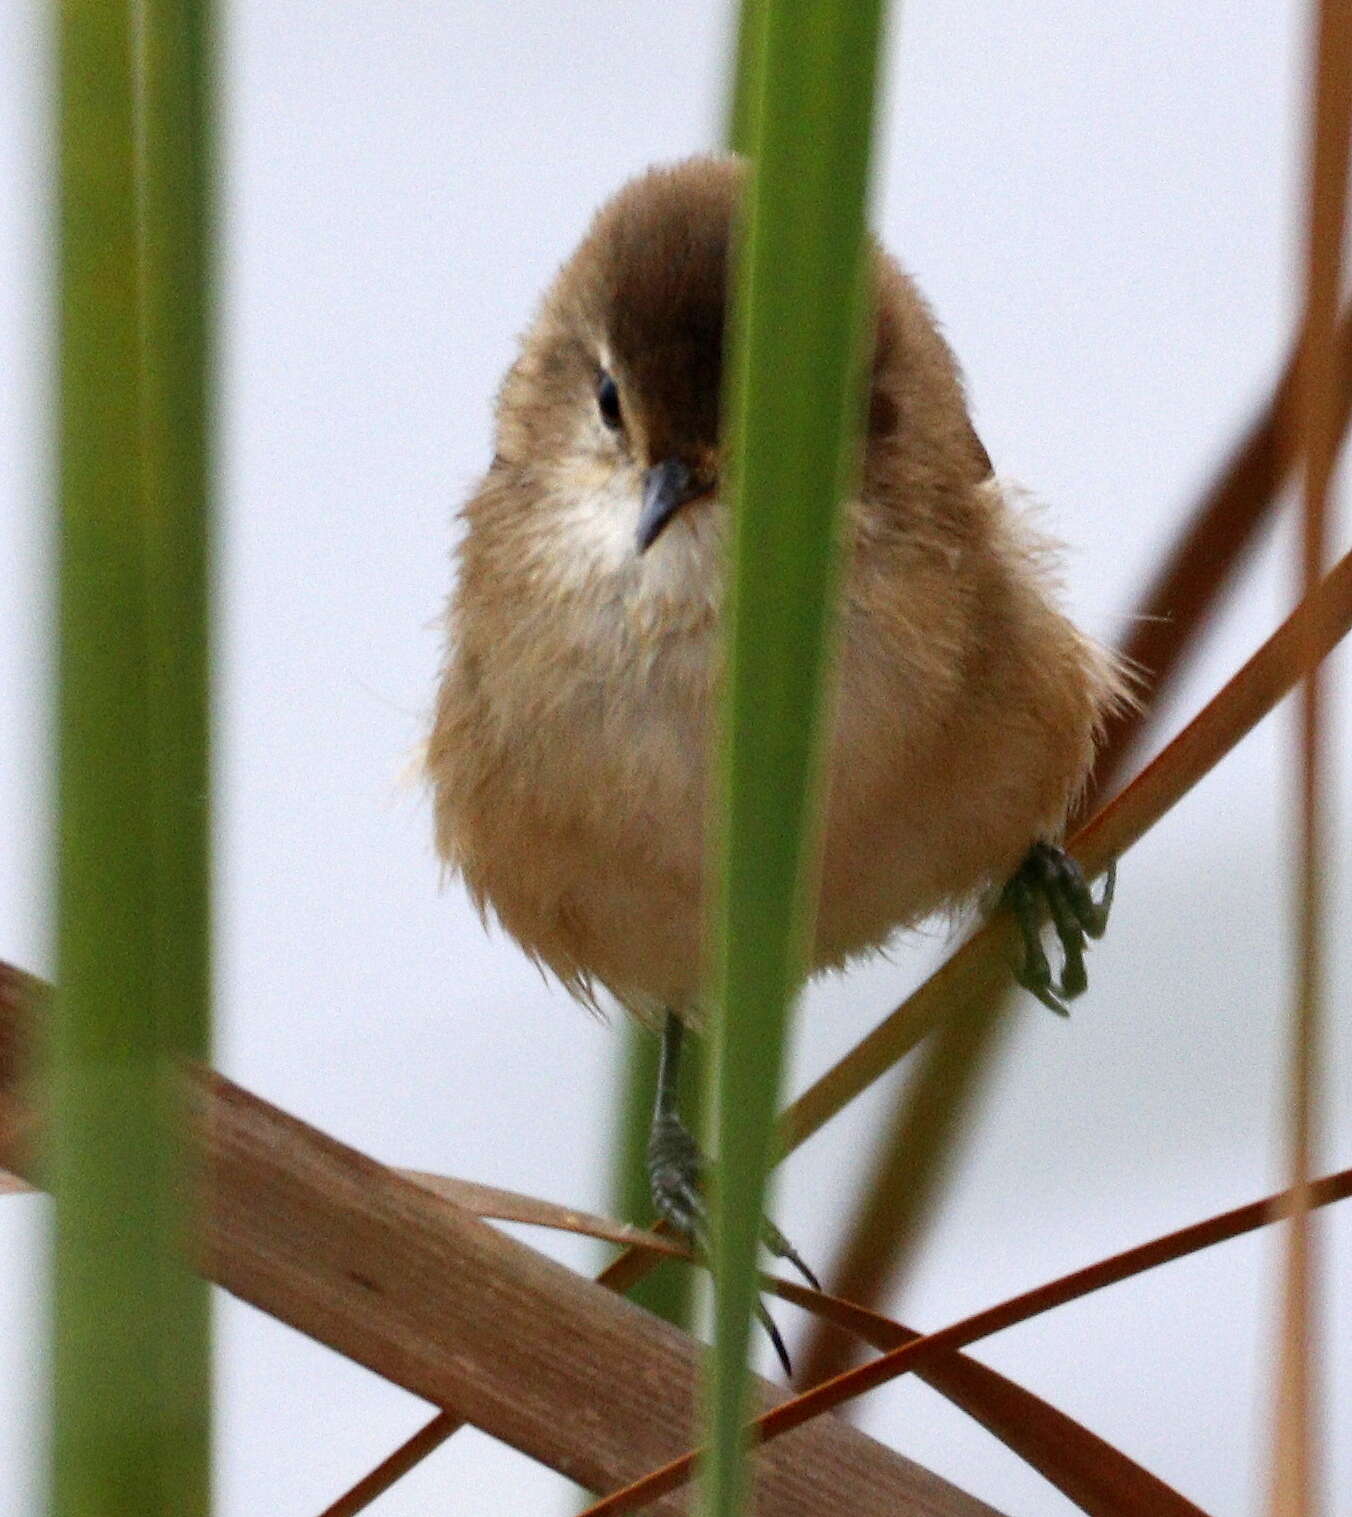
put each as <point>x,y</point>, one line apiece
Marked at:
<point>776,1339</point>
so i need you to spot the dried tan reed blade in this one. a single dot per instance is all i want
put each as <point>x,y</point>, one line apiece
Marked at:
<point>419,1290</point>
<point>907,1357</point>
<point>1100,1479</point>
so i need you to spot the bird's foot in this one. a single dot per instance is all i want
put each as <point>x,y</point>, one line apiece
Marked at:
<point>675,1172</point>
<point>1049,879</point>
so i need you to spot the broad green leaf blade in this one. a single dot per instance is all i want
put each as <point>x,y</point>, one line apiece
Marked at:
<point>793,425</point>
<point>130,1347</point>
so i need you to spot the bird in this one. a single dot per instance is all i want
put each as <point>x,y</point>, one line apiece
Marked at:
<point>569,755</point>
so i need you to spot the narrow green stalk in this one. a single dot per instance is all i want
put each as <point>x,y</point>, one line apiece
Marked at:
<point>794,424</point>
<point>176,409</point>
<point>130,1347</point>
<point>745,74</point>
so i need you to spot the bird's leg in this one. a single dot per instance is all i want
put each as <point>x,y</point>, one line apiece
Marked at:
<point>675,1170</point>
<point>675,1164</point>
<point>1049,879</point>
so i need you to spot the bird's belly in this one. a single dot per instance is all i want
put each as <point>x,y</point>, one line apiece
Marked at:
<point>587,832</point>
<point>587,838</point>
<point>596,860</point>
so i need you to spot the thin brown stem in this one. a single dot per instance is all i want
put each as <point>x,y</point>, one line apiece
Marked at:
<point>1196,572</point>
<point>407,1456</point>
<point>909,1356</point>
<point>1294,1476</point>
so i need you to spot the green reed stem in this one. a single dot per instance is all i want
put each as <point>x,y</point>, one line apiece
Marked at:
<point>130,1341</point>
<point>794,425</point>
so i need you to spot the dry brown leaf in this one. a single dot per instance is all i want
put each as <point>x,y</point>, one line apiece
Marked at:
<point>425,1294</point>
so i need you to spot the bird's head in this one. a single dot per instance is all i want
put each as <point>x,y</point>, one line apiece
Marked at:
<point>612,411</point>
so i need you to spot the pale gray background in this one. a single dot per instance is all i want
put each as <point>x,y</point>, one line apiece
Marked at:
<point>1099,200</point>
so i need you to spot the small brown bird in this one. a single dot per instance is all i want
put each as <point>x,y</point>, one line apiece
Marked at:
<point>570,752</point>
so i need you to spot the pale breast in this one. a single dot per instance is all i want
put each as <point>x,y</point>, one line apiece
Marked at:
<point>573,801</point>
<point>570,752</point>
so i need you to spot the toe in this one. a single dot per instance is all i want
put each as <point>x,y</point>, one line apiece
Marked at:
<point>1070,932</point>
<point>776,1339</point>
<point>1034,973</point>
<point>781,1248</point>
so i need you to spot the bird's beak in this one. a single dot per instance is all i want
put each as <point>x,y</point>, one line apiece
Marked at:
<point>666,488</point>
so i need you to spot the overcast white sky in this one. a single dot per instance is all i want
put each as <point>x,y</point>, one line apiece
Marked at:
<point>1100,202</point>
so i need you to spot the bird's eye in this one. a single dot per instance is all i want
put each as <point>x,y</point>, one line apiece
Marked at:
<point>608,401</point>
